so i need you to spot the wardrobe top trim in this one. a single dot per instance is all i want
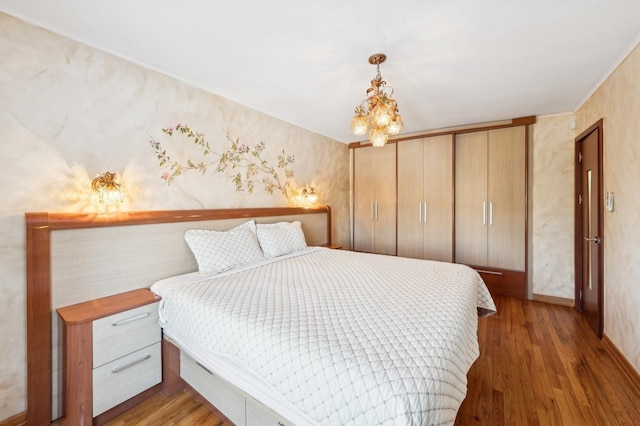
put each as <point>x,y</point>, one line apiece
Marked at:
<point>457,130</point>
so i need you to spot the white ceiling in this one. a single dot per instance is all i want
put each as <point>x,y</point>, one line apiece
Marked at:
<point>451,62</point>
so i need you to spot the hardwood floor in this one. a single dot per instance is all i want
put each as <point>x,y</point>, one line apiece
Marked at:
<point>183,409</point>
<point>540,364</point>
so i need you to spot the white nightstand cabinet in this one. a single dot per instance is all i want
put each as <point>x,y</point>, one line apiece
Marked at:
<point>112,352</point>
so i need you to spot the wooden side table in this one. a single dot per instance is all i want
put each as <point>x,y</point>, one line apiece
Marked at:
<point>112,352</point>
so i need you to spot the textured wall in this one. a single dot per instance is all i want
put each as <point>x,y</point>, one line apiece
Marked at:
<point>69,112</point>
<point>617,101</point>
<point>553,207</point>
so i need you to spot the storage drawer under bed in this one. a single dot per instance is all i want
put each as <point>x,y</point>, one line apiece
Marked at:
<point>240,408</point>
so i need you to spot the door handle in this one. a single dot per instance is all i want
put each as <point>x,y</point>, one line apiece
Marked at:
<point>491,213</point>
<point>595,239</point>
<point>484,213</point>
<point>425,212</point>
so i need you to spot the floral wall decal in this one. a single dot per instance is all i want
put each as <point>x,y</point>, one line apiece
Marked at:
<point>244,165</point>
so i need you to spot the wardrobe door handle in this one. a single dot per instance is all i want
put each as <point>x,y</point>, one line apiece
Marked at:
<point>376,210</point>
<point>425,212</point>
<point>372,212</point>
<point>491,213</point>
<point>484,213</point>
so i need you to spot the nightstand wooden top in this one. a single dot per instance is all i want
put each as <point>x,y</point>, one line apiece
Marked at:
<point>105,306</point>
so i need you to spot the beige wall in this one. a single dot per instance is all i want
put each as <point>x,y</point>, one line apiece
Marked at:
<point>69,112</point>
<point>551,195</point>
<point>617,101</point>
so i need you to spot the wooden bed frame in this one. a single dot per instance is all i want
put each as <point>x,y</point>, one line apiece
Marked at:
<point>73,258</point>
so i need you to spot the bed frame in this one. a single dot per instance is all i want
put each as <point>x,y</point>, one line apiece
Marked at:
<point>72,258</point>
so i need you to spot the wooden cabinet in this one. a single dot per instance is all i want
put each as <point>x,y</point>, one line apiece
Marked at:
<point>490,205</point>
<point>112,352</point>
<point>425,198</point>
<point>374,200</point>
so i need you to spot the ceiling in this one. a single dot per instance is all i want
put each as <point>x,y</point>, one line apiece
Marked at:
<point>450,62</point>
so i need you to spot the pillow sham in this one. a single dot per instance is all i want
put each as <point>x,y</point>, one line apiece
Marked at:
<point>250,224</point>
<point>277,239</point>
<point>217,251</point>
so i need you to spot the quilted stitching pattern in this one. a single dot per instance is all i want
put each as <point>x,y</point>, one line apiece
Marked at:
<point>277,239</point>
<point>347,338</point>
<point>217,251</point>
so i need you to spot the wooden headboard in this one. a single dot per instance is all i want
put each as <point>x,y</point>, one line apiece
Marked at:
<point>73,258</point>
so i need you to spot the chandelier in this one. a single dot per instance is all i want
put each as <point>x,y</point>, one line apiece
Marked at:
<point>380,116</point>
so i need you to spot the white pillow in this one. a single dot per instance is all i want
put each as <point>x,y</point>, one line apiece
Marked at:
<point>250,224</point>
<point>277,239</point>
<point>217,251</point>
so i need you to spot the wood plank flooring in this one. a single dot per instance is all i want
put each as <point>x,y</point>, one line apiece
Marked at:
<point>540,364</point>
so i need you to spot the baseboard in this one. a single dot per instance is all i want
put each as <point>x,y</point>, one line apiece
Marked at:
<point>627,368</point>
<point>17,420</point>
<point>554,300</point>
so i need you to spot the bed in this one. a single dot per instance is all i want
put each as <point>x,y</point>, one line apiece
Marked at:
<point>73,258</point>
<point>332,337</point>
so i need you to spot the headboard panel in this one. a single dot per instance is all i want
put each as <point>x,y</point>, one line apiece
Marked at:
<point>72,258</point>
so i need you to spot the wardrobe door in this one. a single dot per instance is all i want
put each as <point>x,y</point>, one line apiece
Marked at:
<point>374,217</point>
<point>411,162</point>
<point>506,196</point>
<point>471,198</point>
<point>438,198</point>
<point>385,199</point>
<point>363,199</point>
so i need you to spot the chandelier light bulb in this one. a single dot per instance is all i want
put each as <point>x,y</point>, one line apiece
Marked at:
<point>378,136</point>
<point>381,115</point>
<point>359,124</point>
<point>395,125</point>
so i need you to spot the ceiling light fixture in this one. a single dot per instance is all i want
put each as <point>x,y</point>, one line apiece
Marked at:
<point>381,117</point>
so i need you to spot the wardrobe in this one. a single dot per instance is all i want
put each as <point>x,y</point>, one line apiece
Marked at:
<point>458,196</point>
<point>490,206</point>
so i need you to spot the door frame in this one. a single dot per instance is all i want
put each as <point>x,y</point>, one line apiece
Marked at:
<point>597,126</point>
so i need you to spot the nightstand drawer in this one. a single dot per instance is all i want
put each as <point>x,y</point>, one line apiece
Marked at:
<point>126,377</point>
<point>120,334</point>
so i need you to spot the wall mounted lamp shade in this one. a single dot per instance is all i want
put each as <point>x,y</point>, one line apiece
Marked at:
<point>309,194</point>
<point>109,191</point>
<point>378,113</point>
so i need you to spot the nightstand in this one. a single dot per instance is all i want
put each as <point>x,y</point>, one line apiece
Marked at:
<point>112,352</point>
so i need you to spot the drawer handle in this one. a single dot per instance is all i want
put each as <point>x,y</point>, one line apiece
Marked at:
<point>204,368</point>
<point>126,320</point>
<point>117,368</point>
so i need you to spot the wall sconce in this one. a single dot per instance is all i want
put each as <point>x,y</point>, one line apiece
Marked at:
<point>109,191</point>
<point>309,195</point>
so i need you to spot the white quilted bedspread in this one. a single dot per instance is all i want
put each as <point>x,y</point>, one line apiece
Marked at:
<point>345,337</point>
